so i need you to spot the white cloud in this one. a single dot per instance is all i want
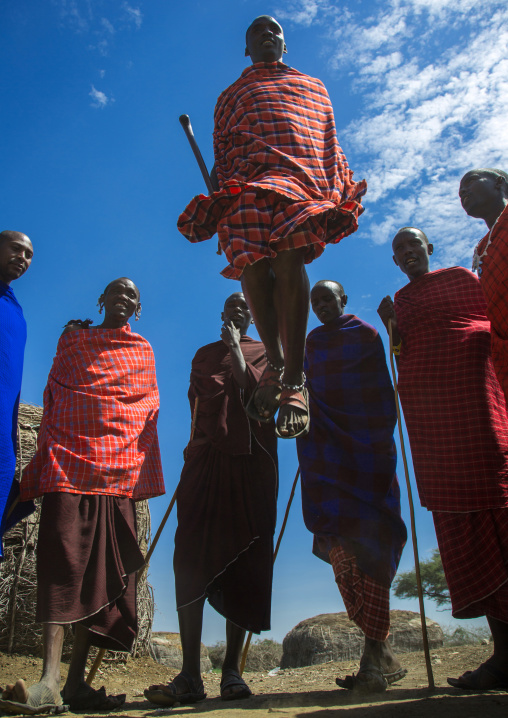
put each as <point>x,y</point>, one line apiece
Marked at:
<point>99,98</point>
<point>432,78</point>
<point>133,14</point>
<point>107,25</point>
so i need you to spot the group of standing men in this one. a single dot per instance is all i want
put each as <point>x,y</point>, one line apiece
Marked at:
<point>284,192</point>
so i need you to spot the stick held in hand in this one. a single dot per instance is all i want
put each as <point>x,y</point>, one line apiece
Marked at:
<point>187,128</point>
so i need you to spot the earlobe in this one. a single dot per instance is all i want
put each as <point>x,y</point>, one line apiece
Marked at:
<point>344,300</point>
<point>431,249</point>
<point>247,52</point>
<point>285,51</point>
<point>395,261</point>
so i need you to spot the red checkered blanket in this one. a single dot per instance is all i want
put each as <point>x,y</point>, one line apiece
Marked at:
<point>453,404</point>
<point>99,429</point>
<point>275,134</point>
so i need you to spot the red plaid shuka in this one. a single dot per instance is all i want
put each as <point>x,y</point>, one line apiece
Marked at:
<point>493,273</point>
<point>285,182</point>
<point>453,404</point>
<point>99,428</point>
<point>474,551</point>
<point>367,602</point>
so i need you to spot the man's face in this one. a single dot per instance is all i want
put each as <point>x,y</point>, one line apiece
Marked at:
<point>478,192</point>
<point>236,310</point>
<point>16,254</point>
<point>265,40</point>
<point>327,302</point>
<point>411,253</point>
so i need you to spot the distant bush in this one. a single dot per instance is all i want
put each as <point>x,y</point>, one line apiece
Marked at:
<point>264,654</point>
<point>465,636</point>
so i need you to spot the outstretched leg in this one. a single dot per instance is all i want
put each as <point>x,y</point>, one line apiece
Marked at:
<point>277,291</point>
<point>187,686</point>
<point>258,282</point>
<point>291,295</point>
<point>233,687</point>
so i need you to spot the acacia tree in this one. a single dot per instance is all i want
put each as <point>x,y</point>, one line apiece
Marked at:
<point>434,584</point>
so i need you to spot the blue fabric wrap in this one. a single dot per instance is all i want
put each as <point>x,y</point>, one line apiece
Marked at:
<point>350,491</point>
<point>12,349</point>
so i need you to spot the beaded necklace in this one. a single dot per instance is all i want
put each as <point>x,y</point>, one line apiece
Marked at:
<point>477,258</point>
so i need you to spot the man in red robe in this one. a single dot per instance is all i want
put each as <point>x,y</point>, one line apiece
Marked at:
<point>484,194</point>
<point>456,419</point>
<point>285,191</point>
<point>226,509</point>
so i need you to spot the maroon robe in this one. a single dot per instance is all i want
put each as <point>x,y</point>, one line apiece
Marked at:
<point>227,496</point>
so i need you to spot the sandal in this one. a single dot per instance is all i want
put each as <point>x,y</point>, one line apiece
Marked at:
<point>369,679</point>
<point>485,678</point>
<point>87,699</point>
<point>297,397</point>
<point>39,699</point>
<point>232,679</point>
<point>169,695</point>
<point>271,377</point>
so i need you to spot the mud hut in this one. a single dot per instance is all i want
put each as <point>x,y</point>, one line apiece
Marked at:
<point>18,631</point>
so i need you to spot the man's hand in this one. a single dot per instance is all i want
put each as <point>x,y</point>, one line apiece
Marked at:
<point>230,335</point>
<point>386,311</point>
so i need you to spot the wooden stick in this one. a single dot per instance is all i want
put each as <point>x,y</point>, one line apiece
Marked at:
<point>102,651</point>
<point>425,638</point>
<point>276,551</point>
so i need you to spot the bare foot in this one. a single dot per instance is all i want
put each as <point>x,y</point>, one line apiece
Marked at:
<point>45,692</point>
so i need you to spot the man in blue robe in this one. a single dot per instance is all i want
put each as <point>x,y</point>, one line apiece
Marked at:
<point>16,254</point>
<point>350,492</point>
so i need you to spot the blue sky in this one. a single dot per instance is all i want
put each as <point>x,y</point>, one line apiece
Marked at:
<point>96,170</point>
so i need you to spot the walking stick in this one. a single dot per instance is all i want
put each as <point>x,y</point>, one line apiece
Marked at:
<point>281,533</point>
<point>100,655</point>
<point>425,638</point>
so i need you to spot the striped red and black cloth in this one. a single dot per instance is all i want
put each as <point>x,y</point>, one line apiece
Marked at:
<point>99,428</point>
<point>453,404</point>
<point>284,180</point>
<point>367,602</point>
<point>493,273</point>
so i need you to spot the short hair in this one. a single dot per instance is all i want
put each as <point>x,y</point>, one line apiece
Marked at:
<point>108,286</point>
<point>235,294</point>
<point>492,171</point>
<point>257,18</point>
<point>414,229</point>
<point>11,234</point>
<point>331,281</point>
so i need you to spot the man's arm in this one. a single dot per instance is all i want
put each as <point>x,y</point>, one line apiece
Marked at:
<point>231,336</point>
<point>386,311</point>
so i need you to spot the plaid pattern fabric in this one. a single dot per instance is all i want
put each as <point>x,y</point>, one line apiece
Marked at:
<point>367,602</point>
<point>474,551</point>
<point>493,273</point>
<point>280,170</point>
<point>453,404</point>
<point>99,429</point>
<point>350,492</point>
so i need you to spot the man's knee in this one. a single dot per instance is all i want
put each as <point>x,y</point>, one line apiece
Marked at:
<point>289,260</point>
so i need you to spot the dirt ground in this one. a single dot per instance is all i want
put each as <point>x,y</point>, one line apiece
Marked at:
<point>310,692</point>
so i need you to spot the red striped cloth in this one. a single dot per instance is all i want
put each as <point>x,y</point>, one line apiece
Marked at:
<point>280,169</point>
<point>474,551</point>
<point>99,429</point>
<point>367,602</point>
<point>453,404</point>
<point>493,272</point>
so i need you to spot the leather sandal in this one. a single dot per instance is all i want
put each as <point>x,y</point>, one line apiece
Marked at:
<point>297,397</point>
